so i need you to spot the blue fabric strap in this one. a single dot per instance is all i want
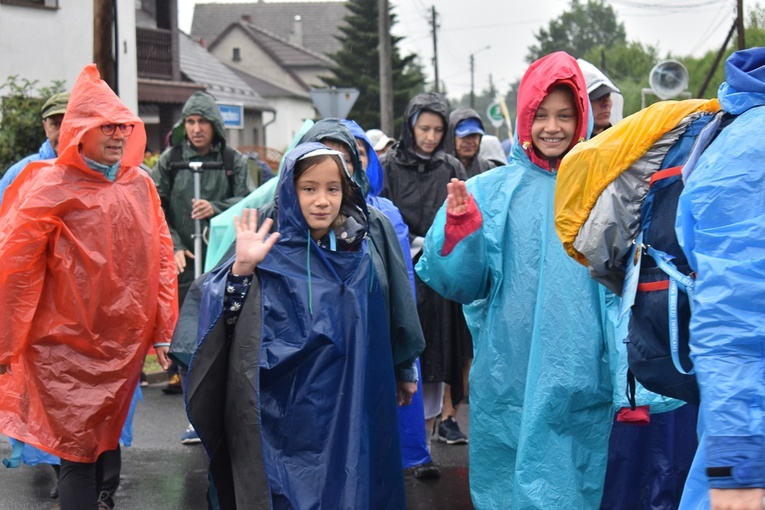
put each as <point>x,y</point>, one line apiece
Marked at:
<point>332,240</point>
<point>15,460</point>
<point>631,276</point>
<point>684,282</point>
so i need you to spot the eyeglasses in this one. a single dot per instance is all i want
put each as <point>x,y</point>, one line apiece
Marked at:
<point>110,129</point>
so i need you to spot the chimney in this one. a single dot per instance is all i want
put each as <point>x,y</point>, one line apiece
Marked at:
<point>246,18</point>
<point>297,31</point>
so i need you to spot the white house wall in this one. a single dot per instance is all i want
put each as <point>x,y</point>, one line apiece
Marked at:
<point>253,60</point>
<point>290,115</point>
<point>46,45</point>
<point>310,75</point>
<point>56,44</point>
<point>127,65</point>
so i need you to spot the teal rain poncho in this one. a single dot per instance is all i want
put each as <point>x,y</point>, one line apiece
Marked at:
<point>540,385</point>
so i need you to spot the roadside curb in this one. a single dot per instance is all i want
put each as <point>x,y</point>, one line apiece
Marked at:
<point>157,377</point>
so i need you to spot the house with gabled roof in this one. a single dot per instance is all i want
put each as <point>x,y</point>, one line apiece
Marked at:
<point>279,48</point>
<point>201,67</point>
<point>319,21</point>
<point>284,70</point>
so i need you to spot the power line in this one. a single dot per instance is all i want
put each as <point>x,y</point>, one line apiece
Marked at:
<point>665,7</point>
<point>711,29</point>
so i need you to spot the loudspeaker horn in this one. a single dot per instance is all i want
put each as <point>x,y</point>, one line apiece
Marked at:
<point>668,79</point>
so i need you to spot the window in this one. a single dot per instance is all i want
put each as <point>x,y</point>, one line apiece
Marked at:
<point>42,4</point>
<point>237,55</point>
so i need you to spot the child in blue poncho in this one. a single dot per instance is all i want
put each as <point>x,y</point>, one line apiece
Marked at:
<point>291,386</point>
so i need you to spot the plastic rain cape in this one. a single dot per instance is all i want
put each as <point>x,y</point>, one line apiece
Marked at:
<point>540,385</point>
<point>88,274</point>
<point>299,409</point>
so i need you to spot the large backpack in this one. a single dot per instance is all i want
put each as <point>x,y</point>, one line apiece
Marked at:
<point>657,345</point>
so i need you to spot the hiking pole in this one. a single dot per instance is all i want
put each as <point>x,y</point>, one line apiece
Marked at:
<point>197,167</point>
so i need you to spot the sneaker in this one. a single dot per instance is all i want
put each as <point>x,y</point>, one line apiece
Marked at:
<point>449,432</point>
<point>105,501</point>
<point>173,386</point>
<point>190,436</point>
<point>428,471</point>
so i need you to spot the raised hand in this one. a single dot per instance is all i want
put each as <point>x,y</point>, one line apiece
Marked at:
<point>252,244</point>
<point>457,198</point>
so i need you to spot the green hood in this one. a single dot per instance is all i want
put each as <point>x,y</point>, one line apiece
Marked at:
<point>200,103</point>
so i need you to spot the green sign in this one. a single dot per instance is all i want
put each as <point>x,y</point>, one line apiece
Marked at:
<point>494,112</point>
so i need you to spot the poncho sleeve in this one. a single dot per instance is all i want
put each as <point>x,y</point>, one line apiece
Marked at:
<point>462,274</point>
<point>24,236</point>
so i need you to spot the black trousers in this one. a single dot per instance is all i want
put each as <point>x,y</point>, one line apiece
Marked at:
<point>81,484</point>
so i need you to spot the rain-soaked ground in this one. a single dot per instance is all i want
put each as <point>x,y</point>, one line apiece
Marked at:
<point>159,473</point>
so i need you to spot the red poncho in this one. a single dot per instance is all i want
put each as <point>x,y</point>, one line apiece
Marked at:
<point>87,284</point>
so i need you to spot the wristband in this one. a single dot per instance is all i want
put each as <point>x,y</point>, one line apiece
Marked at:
<point>161,344</point>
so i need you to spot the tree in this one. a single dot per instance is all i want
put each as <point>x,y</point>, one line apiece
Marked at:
<point>356,65</point>
<point>21,131</point>
<point>578,30</point>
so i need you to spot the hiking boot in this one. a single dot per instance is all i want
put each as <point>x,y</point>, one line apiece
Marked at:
<point>449,432</point>
<point>173,386</point>
<point>190,436</point>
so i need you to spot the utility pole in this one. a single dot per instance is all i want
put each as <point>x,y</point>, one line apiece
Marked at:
<point>740,24</point>
<point>103,42</point>
<point>472,84</point>
<point>472,73</point>
<point>386,68</point>
<point>435,44</point>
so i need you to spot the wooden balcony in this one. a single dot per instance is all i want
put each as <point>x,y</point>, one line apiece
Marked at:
<point>155,55</point>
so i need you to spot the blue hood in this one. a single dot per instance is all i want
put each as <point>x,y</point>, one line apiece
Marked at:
<point>744,85</point>
<point>290,220</point>
<point>335,130</point>
<point>374,169</point>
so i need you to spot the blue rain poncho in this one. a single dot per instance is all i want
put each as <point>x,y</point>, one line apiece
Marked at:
<point>298,408</point>
<point>540,385</point>
<point>45,152</point>
<point>721,227</point>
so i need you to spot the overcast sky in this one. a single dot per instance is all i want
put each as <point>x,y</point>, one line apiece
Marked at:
<point>683,27</point>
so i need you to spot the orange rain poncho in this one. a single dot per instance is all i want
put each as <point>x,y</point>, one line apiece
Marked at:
<point>87,283</point>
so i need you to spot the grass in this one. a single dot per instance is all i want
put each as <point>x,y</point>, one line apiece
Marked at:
<point>151,364</point>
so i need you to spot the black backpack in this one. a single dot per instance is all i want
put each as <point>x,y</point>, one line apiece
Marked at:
<point>657,344</point>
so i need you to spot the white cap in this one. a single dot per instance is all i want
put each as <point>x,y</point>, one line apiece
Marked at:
<point>378,139</point>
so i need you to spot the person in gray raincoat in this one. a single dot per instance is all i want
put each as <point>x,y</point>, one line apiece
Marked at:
<point>463,141</point>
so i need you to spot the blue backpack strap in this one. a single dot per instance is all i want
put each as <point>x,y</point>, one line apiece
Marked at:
<point>684,282</point>
<point>15,460</point>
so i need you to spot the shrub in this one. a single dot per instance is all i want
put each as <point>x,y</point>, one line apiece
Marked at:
<point>21,131</point>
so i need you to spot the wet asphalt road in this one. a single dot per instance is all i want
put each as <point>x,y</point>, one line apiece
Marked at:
<point>159,473</point>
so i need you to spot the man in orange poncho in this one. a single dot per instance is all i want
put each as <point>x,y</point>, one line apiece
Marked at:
<point>87,282</point>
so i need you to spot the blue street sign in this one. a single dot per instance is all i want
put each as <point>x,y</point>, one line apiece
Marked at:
<point>233,115</point>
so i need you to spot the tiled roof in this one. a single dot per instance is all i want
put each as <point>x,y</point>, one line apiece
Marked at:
<point>320,21</point>
<point>201,66</point>
<point>266,88</point>
<point>285,53</point>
